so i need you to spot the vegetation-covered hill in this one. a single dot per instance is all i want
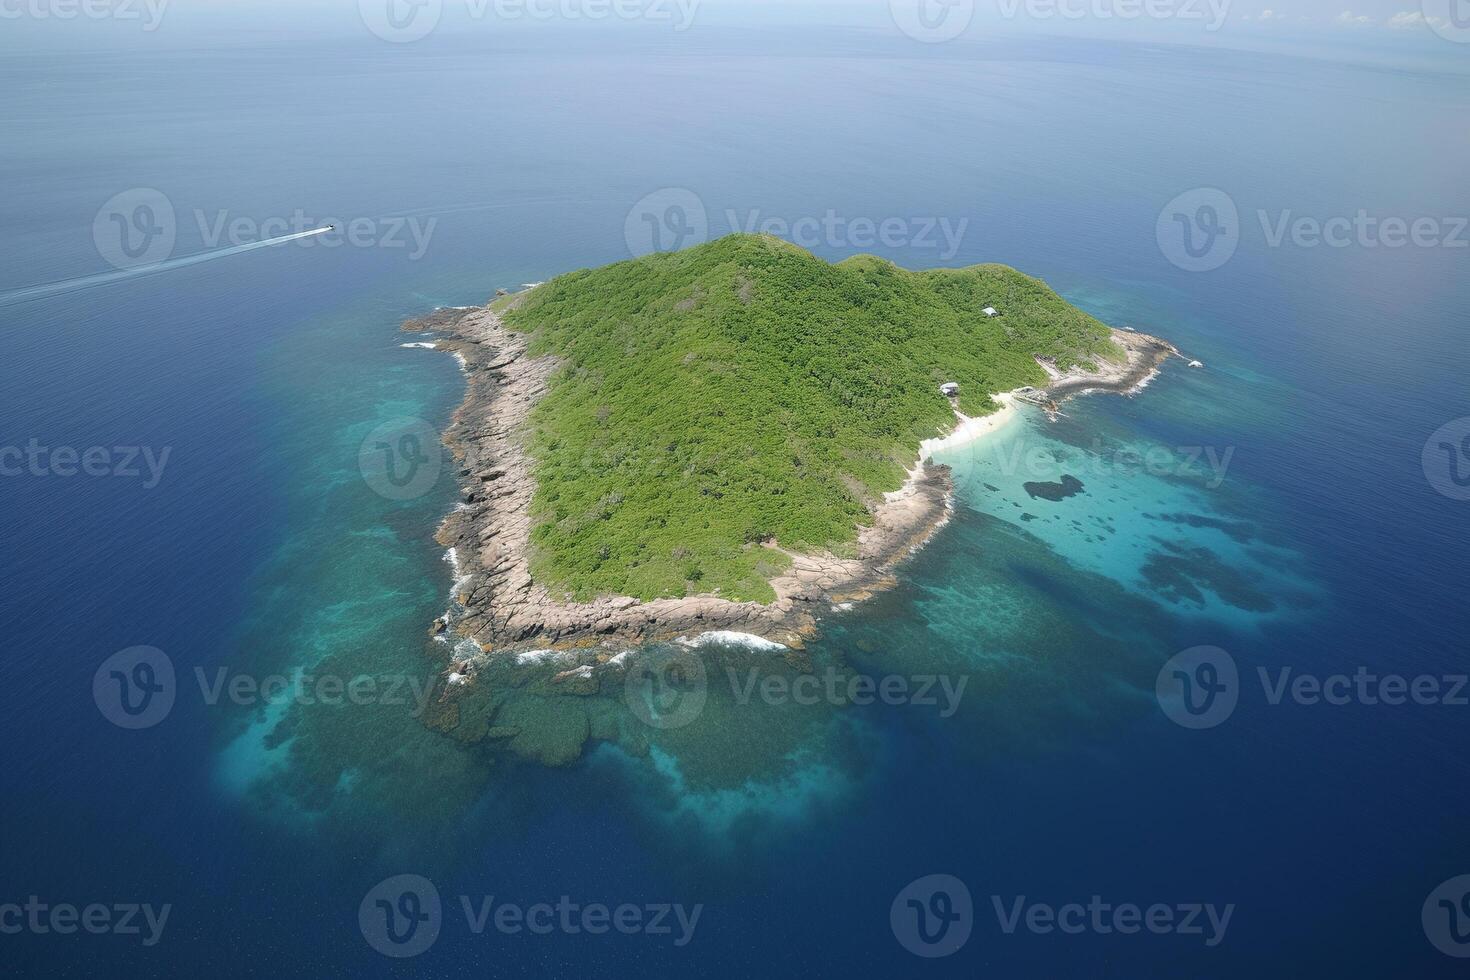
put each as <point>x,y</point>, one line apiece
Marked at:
<point>746,390</point>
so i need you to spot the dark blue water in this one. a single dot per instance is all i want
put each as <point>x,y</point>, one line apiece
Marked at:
<point>261,549</point>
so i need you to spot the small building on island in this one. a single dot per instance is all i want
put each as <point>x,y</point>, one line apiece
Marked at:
<point>989,311</point>
<point>949,389</point>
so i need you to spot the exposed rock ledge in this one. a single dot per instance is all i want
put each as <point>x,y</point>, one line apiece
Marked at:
<point>1143,354</point>
<point>501,606</point>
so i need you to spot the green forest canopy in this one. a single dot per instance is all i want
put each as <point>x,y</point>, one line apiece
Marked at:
<point>745,390</point>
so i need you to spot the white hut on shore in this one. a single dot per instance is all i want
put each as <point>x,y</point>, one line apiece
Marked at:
<point>949,389</point>
<point>989,311</point>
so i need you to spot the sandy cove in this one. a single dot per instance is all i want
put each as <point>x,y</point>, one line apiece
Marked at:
<point>500,606</point>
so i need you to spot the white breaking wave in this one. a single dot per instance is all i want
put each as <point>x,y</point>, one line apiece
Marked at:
<point>424,344</point>
<point>1144,383</point>
<point>543,656</point>
<point>732,638</point>
<point>460,579</point>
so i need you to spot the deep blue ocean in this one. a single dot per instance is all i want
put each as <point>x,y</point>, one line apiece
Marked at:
<point>1322,543</point>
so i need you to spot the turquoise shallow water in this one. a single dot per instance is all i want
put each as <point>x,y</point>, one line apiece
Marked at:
<point>1158,519</point>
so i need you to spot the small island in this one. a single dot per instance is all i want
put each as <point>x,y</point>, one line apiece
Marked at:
<point>727,440</point>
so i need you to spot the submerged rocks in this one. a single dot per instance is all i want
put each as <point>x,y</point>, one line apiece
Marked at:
<point>1067,486</point>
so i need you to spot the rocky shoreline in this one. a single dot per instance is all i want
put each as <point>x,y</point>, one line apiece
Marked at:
<point>500,607</point>
<point>1144,355</point>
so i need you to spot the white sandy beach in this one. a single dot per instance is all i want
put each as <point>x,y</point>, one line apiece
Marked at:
<point>970,429</point>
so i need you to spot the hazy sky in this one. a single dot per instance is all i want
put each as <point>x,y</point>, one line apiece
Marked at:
<point>1440,29</point>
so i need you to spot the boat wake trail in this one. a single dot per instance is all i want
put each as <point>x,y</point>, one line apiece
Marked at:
<point>152,269</point>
